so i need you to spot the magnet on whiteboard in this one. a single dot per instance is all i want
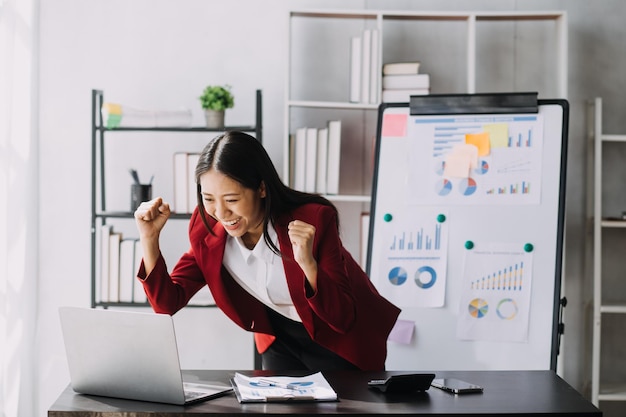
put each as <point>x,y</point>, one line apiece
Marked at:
<point>469,244</point>
<point>441,218</point>
<point>387,217</point>
<point>528,247</point>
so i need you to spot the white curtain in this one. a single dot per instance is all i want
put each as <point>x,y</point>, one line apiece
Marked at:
<point>19,206</point>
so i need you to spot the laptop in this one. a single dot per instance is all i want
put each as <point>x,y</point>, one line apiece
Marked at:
<point>131,355</point>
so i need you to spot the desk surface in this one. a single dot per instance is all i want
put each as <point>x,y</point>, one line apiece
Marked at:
<point>518,393</point>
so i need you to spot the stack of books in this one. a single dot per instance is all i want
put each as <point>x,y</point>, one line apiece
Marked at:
<point>364,67</point>
<point>401,80</point>
<point>314,156</point>
<point>185,187</point>
<point>119,263</point>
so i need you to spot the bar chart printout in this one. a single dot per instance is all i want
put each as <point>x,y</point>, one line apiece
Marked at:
<point>413,271</point>
<point>495,299</point>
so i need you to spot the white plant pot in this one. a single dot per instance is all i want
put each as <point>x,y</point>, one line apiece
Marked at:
<point>214,119</point>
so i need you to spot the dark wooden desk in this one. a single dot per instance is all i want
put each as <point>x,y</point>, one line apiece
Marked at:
<point>517,393</point>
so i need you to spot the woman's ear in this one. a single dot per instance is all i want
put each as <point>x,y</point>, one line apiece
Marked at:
<point>262,191</point>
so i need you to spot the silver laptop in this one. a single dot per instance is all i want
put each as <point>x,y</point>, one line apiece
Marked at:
<point>129,355</point>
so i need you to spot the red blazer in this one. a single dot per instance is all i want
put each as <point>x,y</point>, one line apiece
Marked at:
<point>346,314</point>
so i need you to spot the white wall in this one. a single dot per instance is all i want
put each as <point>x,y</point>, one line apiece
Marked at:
<point>157,54</point>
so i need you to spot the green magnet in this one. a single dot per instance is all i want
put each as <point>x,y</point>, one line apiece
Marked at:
<point>469,244</point>
<point>387,217</point>
<point>528,247</point>
<point>441,218</point>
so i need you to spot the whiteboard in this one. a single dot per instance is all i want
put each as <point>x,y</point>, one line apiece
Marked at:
<point>466,233</point>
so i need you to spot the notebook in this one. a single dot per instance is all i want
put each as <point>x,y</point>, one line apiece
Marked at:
<point>130,355</point>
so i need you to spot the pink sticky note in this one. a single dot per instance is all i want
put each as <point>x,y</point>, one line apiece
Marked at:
<point>394,124</point>
<point>402,332</point>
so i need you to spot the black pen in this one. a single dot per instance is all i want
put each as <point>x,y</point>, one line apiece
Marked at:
<point>273,383</point>
<point>133,173</point>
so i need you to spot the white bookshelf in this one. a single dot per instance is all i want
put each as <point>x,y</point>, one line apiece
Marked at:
<point>317,75</point>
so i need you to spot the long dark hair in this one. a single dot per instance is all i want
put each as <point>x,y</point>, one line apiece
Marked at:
<point>242,158</point>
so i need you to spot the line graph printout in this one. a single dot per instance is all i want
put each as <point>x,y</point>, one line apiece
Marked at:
<point>495,297</point>
<point>475,159</point>
<point>412,269</point>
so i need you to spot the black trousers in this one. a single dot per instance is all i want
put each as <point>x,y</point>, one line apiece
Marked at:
<point>294,349</point>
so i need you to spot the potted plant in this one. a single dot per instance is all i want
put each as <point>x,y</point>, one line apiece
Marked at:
<point>215,99</point>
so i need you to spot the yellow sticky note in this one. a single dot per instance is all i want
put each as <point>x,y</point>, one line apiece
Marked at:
<point>480,140</point>
<point>498,134</point>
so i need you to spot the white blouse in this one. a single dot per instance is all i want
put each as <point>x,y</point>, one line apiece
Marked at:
<point>260,272</point>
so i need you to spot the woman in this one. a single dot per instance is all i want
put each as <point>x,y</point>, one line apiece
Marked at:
<point>274,263</point>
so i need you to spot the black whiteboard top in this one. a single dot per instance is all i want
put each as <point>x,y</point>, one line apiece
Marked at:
<point>466,232</point>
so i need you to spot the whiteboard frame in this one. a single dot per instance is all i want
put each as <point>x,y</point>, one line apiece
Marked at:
<point>557,302</point>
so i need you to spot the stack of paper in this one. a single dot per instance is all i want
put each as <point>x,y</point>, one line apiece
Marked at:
<point>282,388</point>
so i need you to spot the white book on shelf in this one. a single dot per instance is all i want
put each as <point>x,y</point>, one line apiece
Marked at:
<point>139,295</point>
<point>181,189</point>
<point>403,95</point>
<point>395,68</point>
<point>300,160</point>
<point>365,229</point>
<point>355,69</point>
<point>411,81</point>
<point>127,269</point>
<point>366,62</point>
<point>374,67</point>
<point>192,193</point>
<point>115,239</point>
<point>292,160</point>
<point>322,160</point>
<point>334,156</point>
<point>311,159</point>
<point>105,234</point>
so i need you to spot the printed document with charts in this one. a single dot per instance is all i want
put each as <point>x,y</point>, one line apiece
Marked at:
<point>313,387</point>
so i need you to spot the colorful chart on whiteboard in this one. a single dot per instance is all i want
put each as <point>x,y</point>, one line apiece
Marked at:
<point>495,297</point>
<point>412,271</point>
<point>475,159</point>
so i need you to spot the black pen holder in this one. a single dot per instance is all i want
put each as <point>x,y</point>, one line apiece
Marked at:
<point>138,194</point>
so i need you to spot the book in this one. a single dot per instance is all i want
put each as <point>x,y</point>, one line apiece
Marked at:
<point>300,160</point>
<point>355,69</point>
<point>181,188</point>
<point>312,387</point>
<point>115,239</point>
<point>399,68</point>
<point>105,235</point>
<point>334,156</point>
<point>139,294</point>
<point>127,270</point>
<point>192,187</point>
<point>374,67</point>
<point>366,62</point>
<point>401,81</point>
<point>292,159</point>
<point>402,95</point>
<point>322,161</point>
<point>311,160</point>
<point>364,242</point>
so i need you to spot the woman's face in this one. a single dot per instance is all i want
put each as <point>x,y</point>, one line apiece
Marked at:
<point>237,208</point>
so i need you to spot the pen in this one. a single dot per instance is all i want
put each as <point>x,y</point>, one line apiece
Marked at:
<point>272,383</point>
<point>133,173</point>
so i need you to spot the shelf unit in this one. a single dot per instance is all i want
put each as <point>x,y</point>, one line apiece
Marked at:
<point>318,77</point>
<point>99,213</point>
<point>604,387</point>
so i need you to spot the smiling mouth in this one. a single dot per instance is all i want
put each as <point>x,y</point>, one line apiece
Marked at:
<point>231,223</point>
